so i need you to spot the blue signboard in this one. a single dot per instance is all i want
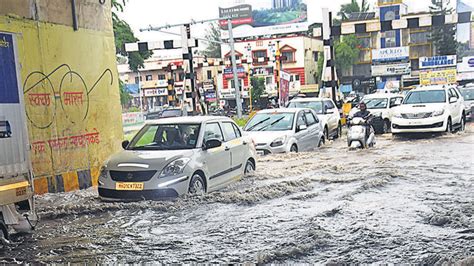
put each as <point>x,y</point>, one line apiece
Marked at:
<point>8,79</point>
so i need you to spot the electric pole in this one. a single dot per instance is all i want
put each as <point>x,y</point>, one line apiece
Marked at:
<point>234,70</point>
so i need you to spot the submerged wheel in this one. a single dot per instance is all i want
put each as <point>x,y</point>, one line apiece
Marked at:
<point>449,126</point>
<point>462,127</point>
<point>386,126</point>
<point>3,230</point>
<point>321,142</point>
<point>294,148</point>
<point>249,167</point>
<point>196,186</point>
<point>326,133</point>
<point>338,131</point>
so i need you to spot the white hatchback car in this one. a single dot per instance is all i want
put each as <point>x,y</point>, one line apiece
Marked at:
<point>171,157</point>
<point>430,109</point>
<point>285,130</point>
<point>381,104</point>
<point>326,111</point>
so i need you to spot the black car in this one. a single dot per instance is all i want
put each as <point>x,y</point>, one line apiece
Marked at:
<point>164,114</point>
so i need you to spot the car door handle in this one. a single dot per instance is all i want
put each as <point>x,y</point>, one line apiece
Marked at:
<point>244,143</point>
<point>227,149</point>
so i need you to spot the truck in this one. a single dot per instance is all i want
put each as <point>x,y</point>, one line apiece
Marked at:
<point>17,206</point>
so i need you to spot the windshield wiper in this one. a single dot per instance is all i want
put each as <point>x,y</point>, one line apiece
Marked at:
<point>259,123</point>
<point>273,123</point>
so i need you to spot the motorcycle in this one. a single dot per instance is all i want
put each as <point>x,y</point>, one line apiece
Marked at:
<point>357,136</point>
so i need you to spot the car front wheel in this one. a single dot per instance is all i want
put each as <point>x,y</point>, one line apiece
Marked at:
<point>462,127</point>
<point>196,186</point>
<point>449,126</point>
<point>249,167</point>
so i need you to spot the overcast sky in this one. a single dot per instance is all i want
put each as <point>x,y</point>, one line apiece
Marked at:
<point>141,13</point>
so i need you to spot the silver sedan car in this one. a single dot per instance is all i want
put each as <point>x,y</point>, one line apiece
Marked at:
<point>285,130</point>
<point>175,156</point>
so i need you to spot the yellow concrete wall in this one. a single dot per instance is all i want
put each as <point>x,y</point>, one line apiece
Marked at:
<point>70,84</point>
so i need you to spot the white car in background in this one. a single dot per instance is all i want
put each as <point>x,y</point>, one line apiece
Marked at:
<point>285,130</point>
<point>326,111</point>
<point>430,109</point>
<point>381,104</point>
<point>467,93</point>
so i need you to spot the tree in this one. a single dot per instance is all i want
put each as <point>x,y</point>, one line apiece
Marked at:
<point>464,50</point>
<point>352,7</point>
<point>124,34</point>
<point>125,97</point>
<point>258,87</point>
<point>346,53</point>
<point>444,36</point>
<point>213,33</point>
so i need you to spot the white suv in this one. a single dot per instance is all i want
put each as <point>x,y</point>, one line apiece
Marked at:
<point>430,109</point>
<point>326,111</point>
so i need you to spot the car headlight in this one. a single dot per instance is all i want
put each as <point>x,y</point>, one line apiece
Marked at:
<point>278,142</point>
<point>438,113</point>
<point>103,172</point>
<point>176,167</point>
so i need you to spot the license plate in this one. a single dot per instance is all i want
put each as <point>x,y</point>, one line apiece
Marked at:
<point>129,186</point>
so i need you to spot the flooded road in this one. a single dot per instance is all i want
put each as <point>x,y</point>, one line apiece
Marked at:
<point>406,200</point>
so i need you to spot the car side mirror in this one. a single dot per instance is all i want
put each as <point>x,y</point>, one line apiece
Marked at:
<point>125,144</point>
<point>301,128</point>
<point>453,100</point>
<point>212,143</point>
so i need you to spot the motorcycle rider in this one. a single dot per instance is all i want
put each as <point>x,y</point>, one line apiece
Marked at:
<point>365,114</point>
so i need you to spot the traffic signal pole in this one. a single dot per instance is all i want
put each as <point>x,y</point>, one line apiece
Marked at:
<point>234,70</point>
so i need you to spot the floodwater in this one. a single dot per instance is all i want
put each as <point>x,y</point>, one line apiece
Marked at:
<point>406,200</point>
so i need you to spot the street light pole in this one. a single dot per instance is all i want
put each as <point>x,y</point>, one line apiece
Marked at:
<point>234,70</point>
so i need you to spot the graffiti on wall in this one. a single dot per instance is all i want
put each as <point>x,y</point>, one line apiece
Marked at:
<point>58,105</point>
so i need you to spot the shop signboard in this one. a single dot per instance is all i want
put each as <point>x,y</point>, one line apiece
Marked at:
<point>437,61</point>
<point>228,73</point>
<point>262,71</point>
<point>155,92</point>
<point>438,77</point>
<point>391,54</point>
<point>284,88</point>
<point>391,69</point>
<point>467,64</point>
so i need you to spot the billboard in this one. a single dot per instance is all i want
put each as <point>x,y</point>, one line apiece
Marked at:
<point>263,17</point>
<point>391,69</point>
<point>438,61</point>
<point>467,65</point>
<point>438,77</point>
<point>391,54</point>
<point>284,89</point>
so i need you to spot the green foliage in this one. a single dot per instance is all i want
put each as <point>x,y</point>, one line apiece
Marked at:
<point>347,53</point>
<point>124,34</point>
<point>125,97</point>
<point>352,7</point>
<point>464,50</point>
<point>444,37</point>
<point>213,34</point>
<point>258,87</point>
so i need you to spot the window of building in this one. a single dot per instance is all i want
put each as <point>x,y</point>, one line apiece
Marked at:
<point>238,56</point>
<point>315,56</point>
<point>209,74</point>
<point>390,38</point>
<point>415,64</point>
<point>259,53</point>
<point>268,80</point>
<point>365,42</point>
<point>365,56</point>
<point>417,51</point>
<point>181,76</point>
<point>148,77</point>
<point>362,70</point>
<point>420,37</point>
<point>232,84</point>
<point>136,79</point>
<point>161,76</point>
<point>288,56</point>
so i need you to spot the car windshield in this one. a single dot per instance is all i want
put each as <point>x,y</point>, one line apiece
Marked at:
<point>166,137</point>
<point>317,106</point>
<point>271,122</point>
<point>431,96</point>
<point>468,94</point>
<point>376,103</point>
